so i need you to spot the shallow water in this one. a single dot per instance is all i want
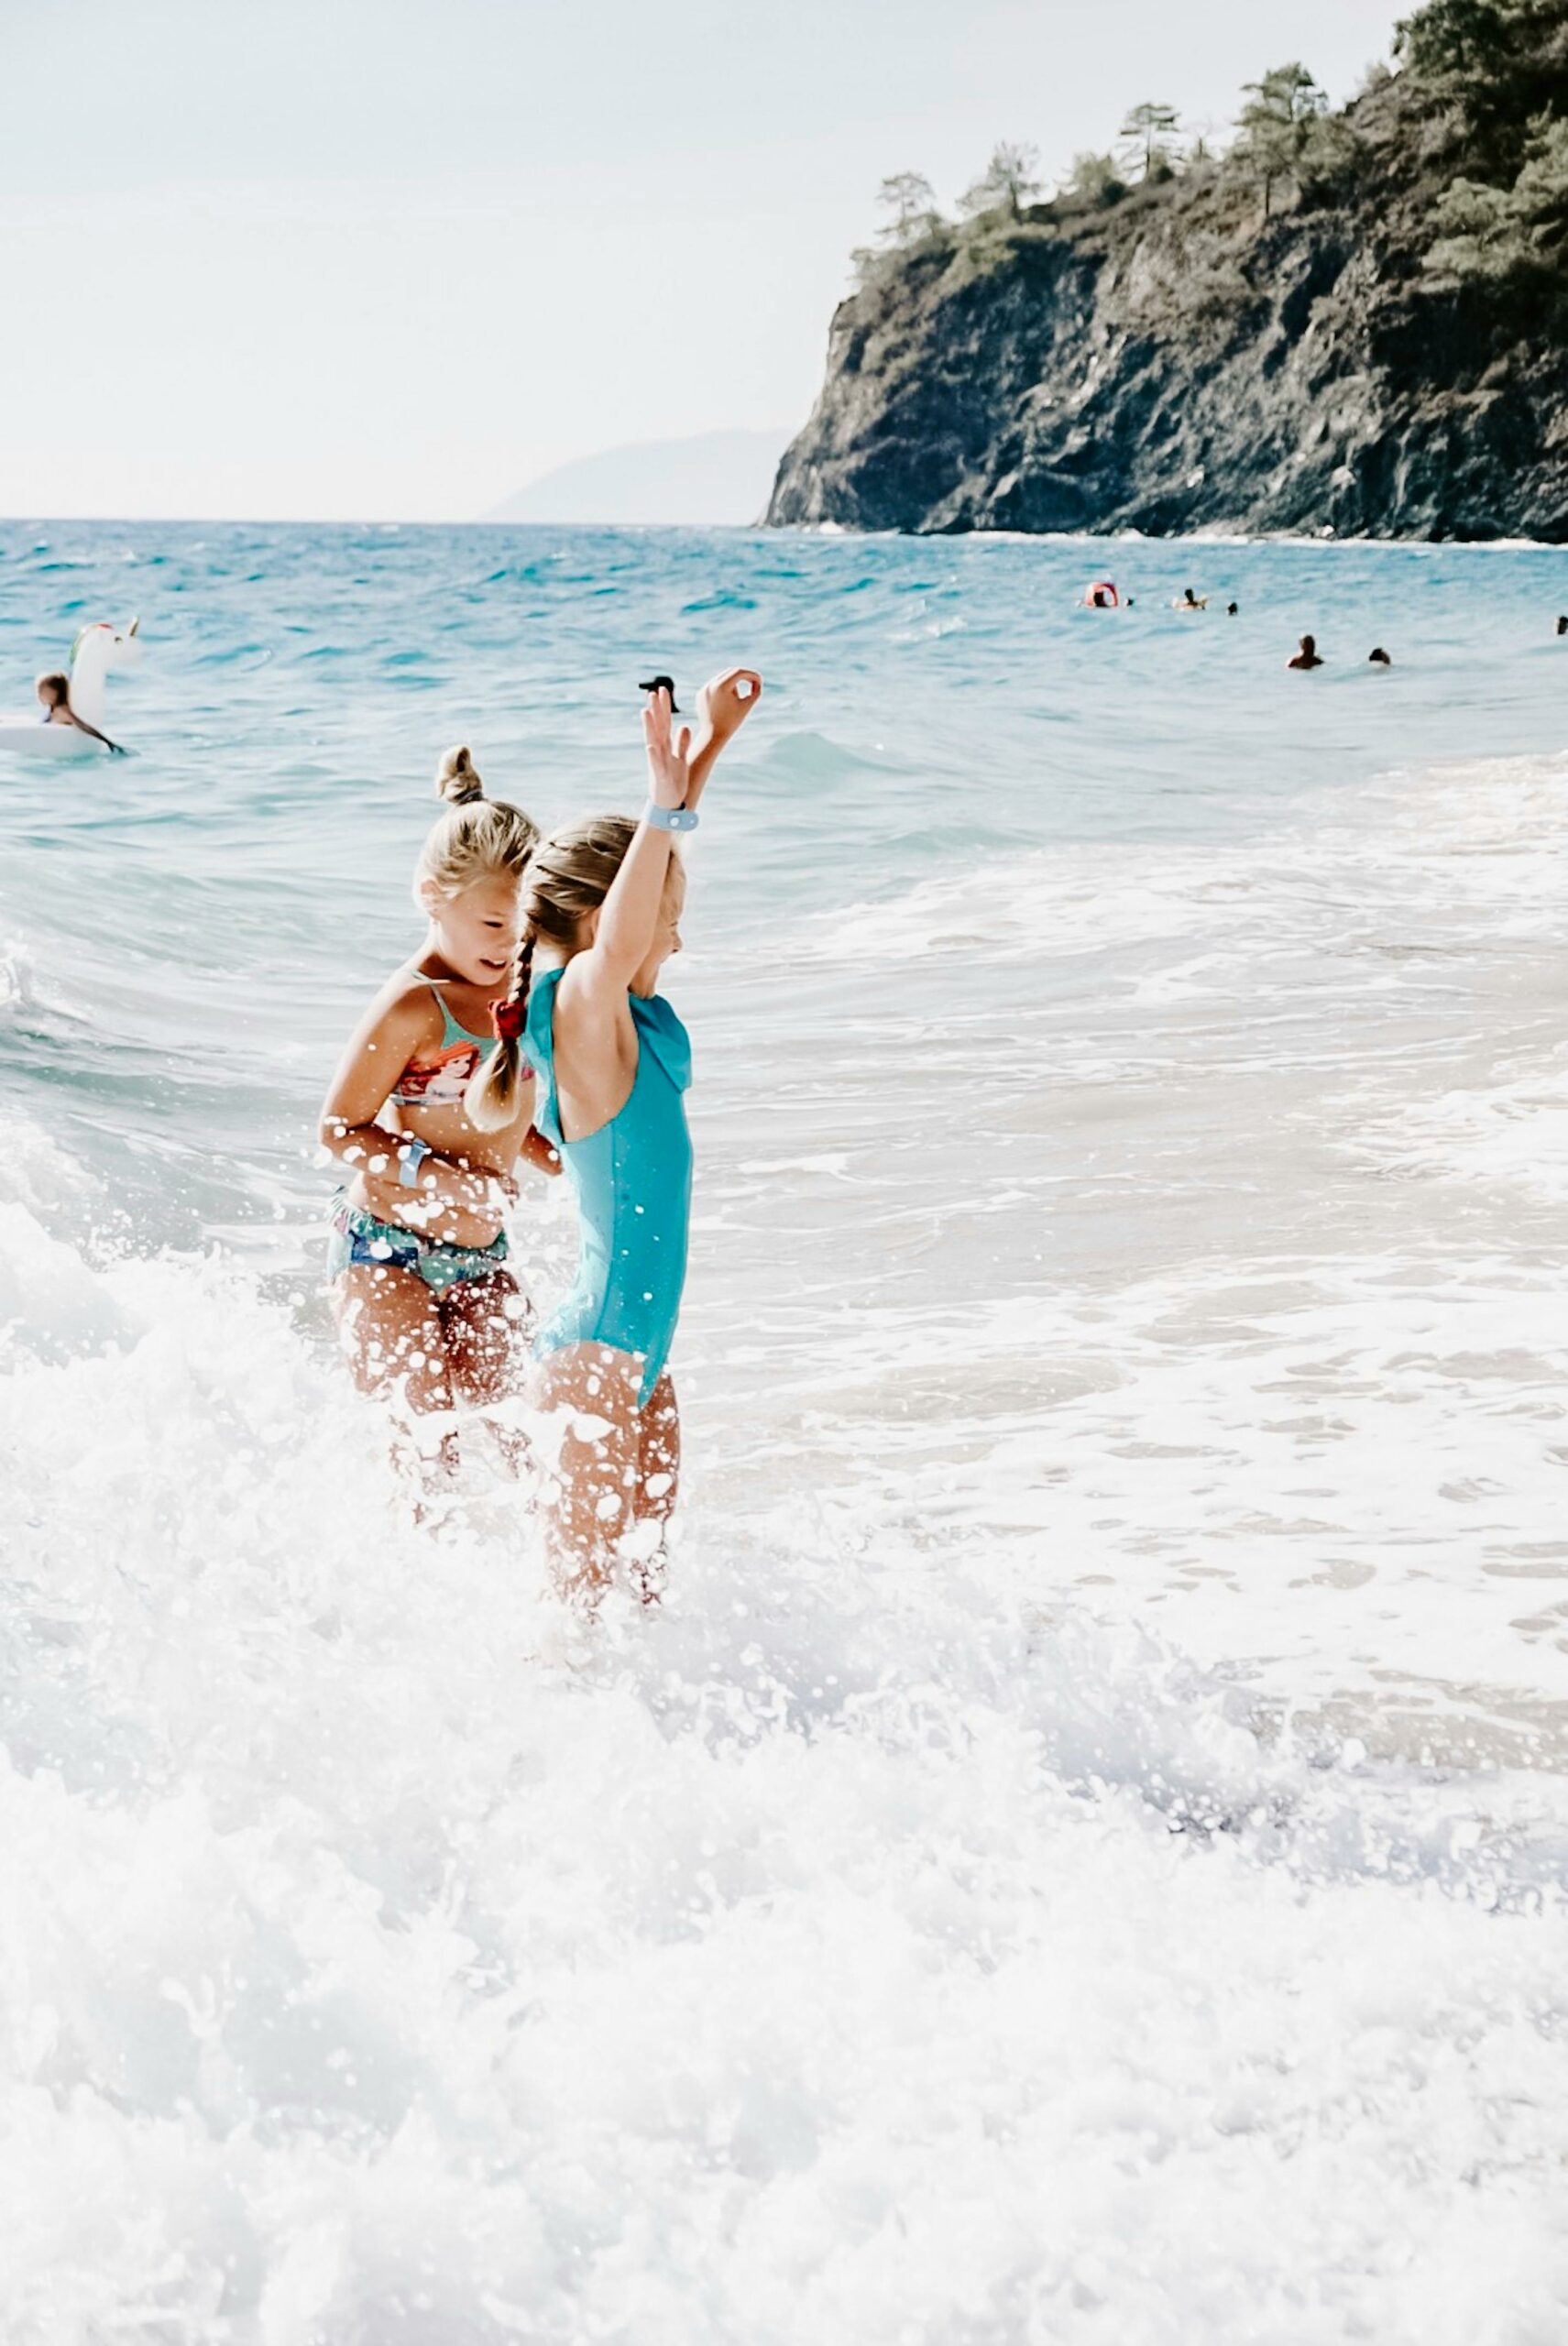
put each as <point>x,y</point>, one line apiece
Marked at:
<point>1081,1854</point>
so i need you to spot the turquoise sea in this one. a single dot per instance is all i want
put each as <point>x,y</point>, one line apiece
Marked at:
<point>1081,1854</point>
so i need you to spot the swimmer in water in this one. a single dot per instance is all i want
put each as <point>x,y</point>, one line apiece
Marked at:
<point>602,902</point>
<point>54,691</point>
<point>429,1311</point>
<point>663,684</point>
<point>1232,609</point>
<point>1307,657</point>
<point>1562,623</point>
<point>1378,658</point>
<point>1187,601</point>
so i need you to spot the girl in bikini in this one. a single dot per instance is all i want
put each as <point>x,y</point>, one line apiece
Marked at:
<point>429,1311</point>
<point>602,903</point>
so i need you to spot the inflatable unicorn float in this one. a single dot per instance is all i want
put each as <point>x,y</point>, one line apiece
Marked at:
<point>96,653</point>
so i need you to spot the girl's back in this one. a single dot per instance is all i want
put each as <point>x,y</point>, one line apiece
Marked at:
<point>632,1179</point>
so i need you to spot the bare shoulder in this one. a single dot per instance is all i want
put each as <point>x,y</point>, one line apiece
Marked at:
<point>596,1046</point>
<point>397,1022</point>
<point>593,1019</point>
<point>590,995</point>
<point>405,1006</point>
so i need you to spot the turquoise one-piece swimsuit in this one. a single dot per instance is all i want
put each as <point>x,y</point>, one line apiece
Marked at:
<point>633,1183</point>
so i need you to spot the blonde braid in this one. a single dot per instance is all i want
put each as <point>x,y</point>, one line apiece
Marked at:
<point>490,1101</point>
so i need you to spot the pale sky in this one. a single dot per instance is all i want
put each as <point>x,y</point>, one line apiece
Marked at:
<point>391,258</point>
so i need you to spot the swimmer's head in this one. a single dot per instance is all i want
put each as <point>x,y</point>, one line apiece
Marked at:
<point>1378,658</point>
<point>1232,609</point>
<point>469,876</point>
<point>662,684</point>
<point>54,689</point>
<point>1562,623</point>
<point>1309,646</point>
<point>568,879</point>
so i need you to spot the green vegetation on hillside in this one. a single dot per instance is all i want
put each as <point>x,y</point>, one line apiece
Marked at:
<point>1471,123</point>
<point>1492,75</point>
<point>1347,321</point>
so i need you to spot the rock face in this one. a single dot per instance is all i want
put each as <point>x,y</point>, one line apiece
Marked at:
<point>1176,361</point>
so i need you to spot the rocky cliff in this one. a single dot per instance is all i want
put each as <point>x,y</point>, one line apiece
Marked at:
<point>1384,353</point>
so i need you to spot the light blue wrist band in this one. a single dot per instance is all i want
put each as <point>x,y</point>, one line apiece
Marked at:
<point>410,1158</point>
<point>670,818</point>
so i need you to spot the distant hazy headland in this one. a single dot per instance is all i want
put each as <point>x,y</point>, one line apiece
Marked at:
<point>1341,323</point>
<point>717,478</point>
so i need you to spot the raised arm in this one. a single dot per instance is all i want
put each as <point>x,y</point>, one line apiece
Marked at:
<point>722,708</point>
<point>623,935</point>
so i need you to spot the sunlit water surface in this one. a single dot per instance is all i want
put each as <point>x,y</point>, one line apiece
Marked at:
<point>1080,1853</point>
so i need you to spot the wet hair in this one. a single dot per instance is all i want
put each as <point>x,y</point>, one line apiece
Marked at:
<point>1232,609</point>
<point>1380,656</point>
<point>569,877</point>
<point>1309,644</point>
<point>477,839</point>
<point>1562,623</point>
<point>57,684</point>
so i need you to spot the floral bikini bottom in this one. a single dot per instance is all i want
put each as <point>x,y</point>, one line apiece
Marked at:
<point>358,1239</point>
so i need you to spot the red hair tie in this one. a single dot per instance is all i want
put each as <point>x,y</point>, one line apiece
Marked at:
<point>508,1019</point>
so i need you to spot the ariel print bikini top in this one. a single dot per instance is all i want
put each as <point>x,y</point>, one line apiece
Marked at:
<point>443,1080</point>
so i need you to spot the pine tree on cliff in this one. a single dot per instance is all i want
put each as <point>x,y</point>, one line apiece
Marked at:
<point>1148,138</point>
<point>910,201</point>
<point>1277,124</point>
<point>1010,181</point>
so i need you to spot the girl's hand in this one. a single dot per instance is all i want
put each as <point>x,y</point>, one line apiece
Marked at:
<point>726,701</point>
<point>723,703</point>
<point>537,1151</point>
<point>668,776</point>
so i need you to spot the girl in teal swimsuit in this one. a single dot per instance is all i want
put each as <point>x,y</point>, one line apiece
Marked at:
<point>429,1310</point>
<point>602,905</point>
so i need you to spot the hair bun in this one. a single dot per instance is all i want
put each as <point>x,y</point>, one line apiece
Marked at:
<point>455,779</point>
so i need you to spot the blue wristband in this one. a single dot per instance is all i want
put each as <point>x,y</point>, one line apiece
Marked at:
<point>670,818</point>
<point>410,1158</point>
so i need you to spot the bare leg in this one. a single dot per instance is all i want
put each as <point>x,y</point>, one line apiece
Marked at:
<point>591,1500</point>
<point>658,1482</point>
<point>391,1334</point>
<point>484,1327</point>
<point>659,1455</point>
